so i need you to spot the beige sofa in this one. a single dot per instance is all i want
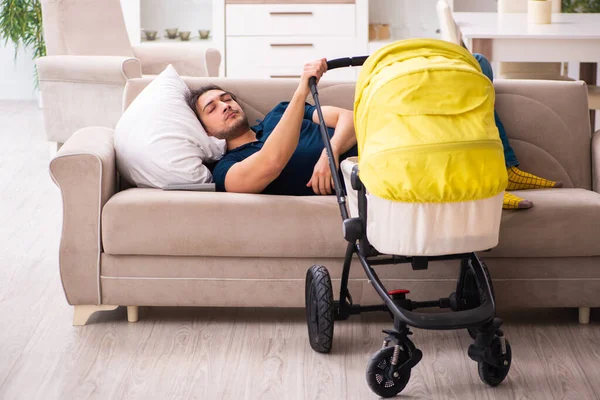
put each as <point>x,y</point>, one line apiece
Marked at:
<point>148,247</point>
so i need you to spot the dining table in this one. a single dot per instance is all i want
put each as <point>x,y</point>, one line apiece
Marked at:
<point>572,38</point>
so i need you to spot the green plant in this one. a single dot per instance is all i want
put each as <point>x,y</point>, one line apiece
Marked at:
<point>21,24</point>
<point>581,6</point>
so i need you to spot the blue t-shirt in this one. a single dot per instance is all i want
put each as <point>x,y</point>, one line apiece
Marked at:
<point>300,167</point>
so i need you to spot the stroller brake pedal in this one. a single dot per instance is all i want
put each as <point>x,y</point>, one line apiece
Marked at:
<point>398,291</point>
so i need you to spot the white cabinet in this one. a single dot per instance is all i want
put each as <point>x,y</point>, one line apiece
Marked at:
<point>275,40</point>
<point>270,56</point>
<point>290,19</point>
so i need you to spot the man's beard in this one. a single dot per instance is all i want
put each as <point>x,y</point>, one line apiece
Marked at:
<point>234,131</point>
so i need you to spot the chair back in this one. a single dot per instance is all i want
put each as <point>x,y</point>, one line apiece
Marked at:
<point>448,28</point>
<point>85,28</point>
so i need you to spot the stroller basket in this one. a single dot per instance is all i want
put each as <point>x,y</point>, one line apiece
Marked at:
<point>427,185</point>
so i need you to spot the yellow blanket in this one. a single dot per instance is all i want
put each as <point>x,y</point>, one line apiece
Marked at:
<point>424,118</point>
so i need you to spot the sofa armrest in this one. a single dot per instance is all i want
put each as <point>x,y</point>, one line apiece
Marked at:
<point>84,169</point>
<point>596,161</point>
<point>90,69</point>
<point>187,59</point>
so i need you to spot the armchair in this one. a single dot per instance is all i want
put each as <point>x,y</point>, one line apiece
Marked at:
<point>90,59</point>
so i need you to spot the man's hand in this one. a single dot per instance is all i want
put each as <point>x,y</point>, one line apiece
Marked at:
<point>314,68</point>
<point>321,180</point>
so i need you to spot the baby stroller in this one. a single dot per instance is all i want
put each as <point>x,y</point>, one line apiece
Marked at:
<point>427,185</point>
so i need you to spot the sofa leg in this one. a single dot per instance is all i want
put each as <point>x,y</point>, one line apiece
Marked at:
<point>584,315</point>
<point>83,313</point>
<point>132,313</point>
<point>54,147</point>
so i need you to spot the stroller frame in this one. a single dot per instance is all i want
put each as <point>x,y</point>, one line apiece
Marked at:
<point>473,306</point>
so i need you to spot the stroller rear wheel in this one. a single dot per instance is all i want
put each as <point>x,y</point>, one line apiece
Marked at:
<point>379,377</point>
<point>319,308</point>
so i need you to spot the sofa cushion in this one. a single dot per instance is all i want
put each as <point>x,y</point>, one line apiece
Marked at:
<point>142,221</point>
<point>562,223</point>
<point>549,133</point>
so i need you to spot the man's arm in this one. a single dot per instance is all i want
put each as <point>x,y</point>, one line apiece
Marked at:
<point>256,172</point>
<point>344,138</point>
<point>342,120</point>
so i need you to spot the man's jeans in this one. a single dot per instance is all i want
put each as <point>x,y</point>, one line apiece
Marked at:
<point>509,155</point>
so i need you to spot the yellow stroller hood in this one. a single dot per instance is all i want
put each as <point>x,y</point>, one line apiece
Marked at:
<point>424,118</point>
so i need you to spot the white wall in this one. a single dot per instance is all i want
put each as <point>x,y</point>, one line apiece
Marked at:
<point>186,15</point>
<point>476,5</point>
<point>417,18</point>
<point>17,79</point>
<point>16,76</point>
<point>407,18</point>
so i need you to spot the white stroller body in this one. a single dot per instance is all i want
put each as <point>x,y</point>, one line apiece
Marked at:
<point>426,229</point>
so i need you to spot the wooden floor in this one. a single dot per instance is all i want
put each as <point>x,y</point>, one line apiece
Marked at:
<point>195,353</point>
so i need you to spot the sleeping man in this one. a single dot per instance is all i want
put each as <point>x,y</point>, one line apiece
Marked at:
<point>284,154</point>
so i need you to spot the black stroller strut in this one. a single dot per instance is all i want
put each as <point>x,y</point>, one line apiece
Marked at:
<point>312,83</point>
<point>341,198</point>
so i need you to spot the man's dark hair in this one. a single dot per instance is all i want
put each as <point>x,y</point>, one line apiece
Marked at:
<point>194,95</point>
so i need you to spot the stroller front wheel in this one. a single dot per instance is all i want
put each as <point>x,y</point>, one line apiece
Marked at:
<point>379,378</point>
<point>494,375</point>
<point>319,308</point>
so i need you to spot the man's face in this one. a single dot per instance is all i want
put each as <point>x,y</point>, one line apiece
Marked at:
<point>221,116</point>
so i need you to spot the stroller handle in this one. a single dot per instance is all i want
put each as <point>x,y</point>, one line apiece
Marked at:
<point>346,62</point>
<point>339,63</point>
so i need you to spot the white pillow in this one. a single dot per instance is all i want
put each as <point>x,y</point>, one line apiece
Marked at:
<point>159,141</point>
